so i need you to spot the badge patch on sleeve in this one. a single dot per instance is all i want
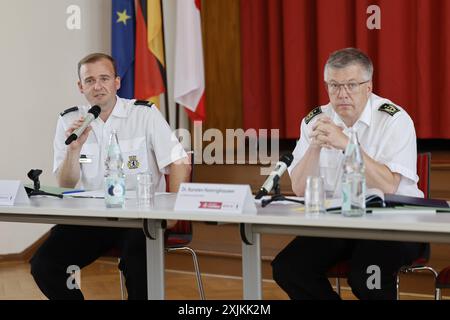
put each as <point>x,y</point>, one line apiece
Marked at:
<point>312,114</point>
<point>133,162</point>
<point>389,108</point>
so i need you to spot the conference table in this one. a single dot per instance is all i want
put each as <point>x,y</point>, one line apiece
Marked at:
<point>276,218</point>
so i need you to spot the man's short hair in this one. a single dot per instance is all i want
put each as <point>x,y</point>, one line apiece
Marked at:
<point>94,57</point>
<point>347,57</point>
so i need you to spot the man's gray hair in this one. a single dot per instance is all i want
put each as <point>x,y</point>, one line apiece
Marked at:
<point>347,57</point>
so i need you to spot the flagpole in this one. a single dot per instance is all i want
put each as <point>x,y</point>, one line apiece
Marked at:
<point>166,94</point>
<point>177,115</point>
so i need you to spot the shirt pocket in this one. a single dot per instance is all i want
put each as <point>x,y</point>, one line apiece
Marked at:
<point>89,160</point>
<point>135,156</point>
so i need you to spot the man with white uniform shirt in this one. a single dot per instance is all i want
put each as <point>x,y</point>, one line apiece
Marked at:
<point>388,142</point>
<point>147,144</point>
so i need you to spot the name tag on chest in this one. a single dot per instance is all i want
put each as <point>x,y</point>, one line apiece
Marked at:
<point>85,158</point>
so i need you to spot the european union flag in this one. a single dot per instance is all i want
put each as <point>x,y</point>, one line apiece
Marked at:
<point>123,38</point>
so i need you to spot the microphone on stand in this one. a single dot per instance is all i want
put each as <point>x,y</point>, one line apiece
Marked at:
<point>281,166</point>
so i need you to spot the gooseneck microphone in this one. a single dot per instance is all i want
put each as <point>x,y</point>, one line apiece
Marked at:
<point>275,175</point>
<point>92,114</point>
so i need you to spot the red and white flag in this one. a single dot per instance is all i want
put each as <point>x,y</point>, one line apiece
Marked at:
<point>189,86</point>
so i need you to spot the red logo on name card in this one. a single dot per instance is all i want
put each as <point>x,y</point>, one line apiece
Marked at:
<point>210,205</point>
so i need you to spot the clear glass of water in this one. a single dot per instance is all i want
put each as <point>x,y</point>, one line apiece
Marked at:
<point>314,196</point>
<point>145,190</point>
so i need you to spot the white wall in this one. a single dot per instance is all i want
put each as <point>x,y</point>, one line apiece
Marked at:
<point>38,58</point>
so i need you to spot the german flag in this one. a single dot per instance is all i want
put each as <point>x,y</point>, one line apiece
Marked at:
<point>189,79</point>
<point>149,80</point>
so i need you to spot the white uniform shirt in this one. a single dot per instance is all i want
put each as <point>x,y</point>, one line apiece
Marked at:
<point>146,141</point>
<point>388,139</point>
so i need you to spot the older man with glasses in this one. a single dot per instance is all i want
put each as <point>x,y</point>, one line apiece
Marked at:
<point>388,142</point>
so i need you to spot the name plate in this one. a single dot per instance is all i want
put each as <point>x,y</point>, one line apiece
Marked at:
<point>229,198</point>
<point>12,192</point>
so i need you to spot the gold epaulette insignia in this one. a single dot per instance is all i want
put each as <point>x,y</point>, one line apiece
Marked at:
<point>312,114</point>
<point>389,108</point>
<point>143,103</point>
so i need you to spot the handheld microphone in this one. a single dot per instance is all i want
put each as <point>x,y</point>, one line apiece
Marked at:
<point>275,175</point>
<point>93,114</point>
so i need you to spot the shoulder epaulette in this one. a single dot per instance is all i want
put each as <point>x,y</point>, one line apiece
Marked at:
<point>68,111</point>
<point>143,103</point>
<point>389,108</point>
<point>312,114</point>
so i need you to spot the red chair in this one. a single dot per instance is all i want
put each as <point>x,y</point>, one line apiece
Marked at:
<point>177,238</point>
<point>423,171</point>
<point>442,282</point>
<point>342,268</point>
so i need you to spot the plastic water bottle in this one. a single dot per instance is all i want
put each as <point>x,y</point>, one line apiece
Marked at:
<point>114,174</point>
<point>353,179</point>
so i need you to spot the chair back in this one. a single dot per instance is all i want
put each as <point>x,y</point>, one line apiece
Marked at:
<point>181,233</point>
<point>423,171</point>
<point>342,268</point>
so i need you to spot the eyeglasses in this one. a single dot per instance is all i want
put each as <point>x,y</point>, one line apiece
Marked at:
<point>350,87</point>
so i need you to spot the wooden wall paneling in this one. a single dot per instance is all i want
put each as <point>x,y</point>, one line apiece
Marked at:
<point>221,36</point>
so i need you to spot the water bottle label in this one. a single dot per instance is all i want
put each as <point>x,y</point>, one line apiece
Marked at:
<point>114,191</point>
<point>346,197</point>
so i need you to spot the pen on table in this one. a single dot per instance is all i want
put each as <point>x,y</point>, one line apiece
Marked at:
<point>88,197</point>
<point>338,210</point>
<point>73,191</point>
